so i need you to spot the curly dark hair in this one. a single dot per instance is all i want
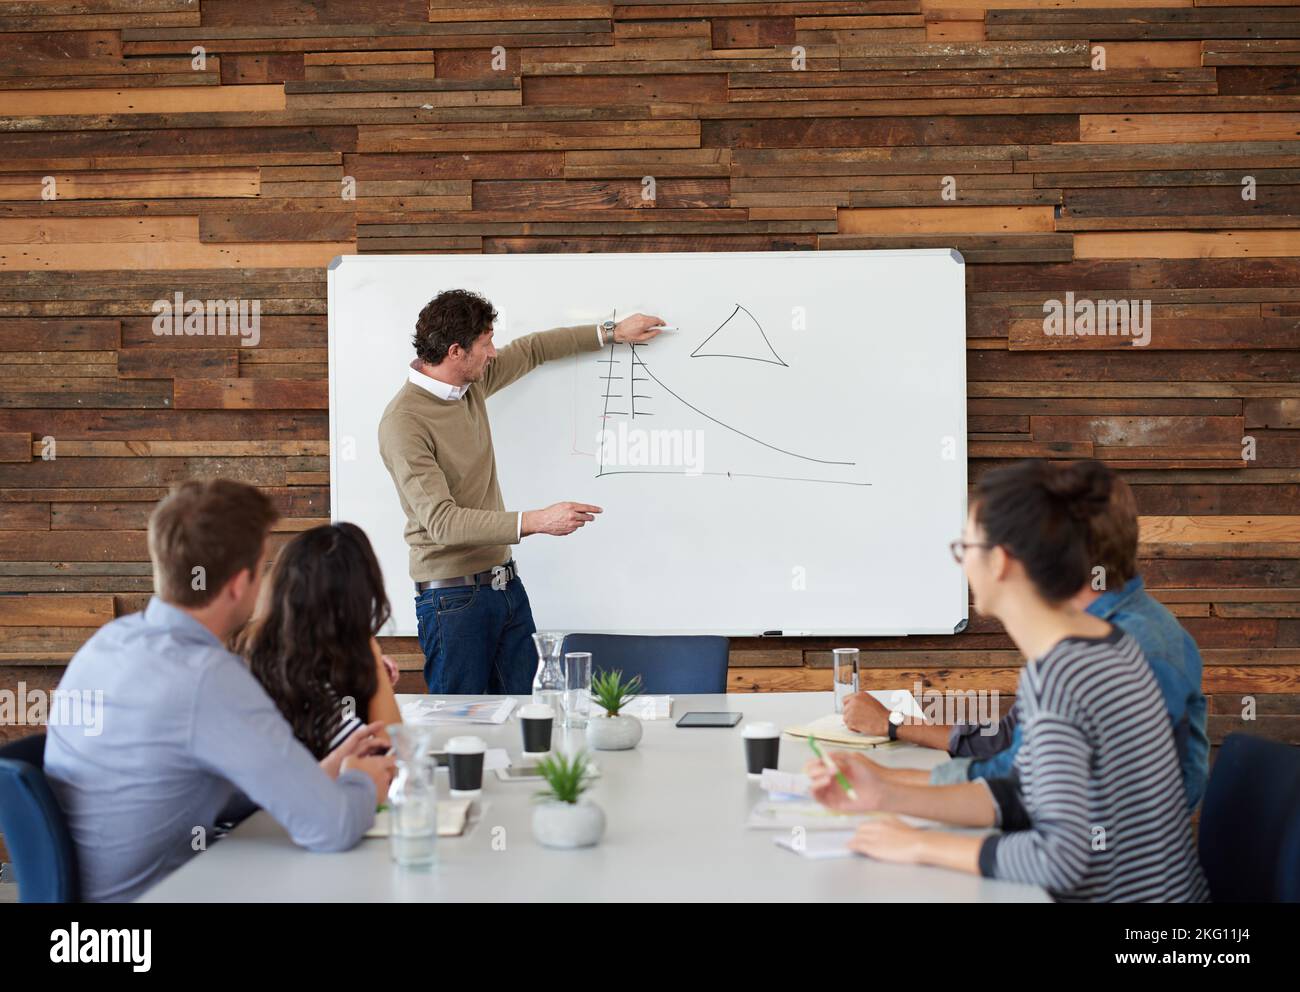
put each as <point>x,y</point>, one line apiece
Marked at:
<point>310,648</point>
<point>454,316</point>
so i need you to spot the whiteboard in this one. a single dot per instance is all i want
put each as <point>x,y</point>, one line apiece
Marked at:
<point>792,457</point>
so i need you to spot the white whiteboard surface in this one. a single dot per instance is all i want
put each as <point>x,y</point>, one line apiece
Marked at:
<point>811,408</point>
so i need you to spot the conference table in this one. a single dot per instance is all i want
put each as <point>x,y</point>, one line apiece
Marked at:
<point>675,807</point>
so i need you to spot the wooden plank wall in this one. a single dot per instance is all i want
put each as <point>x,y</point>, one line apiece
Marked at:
<point>1094,147</point>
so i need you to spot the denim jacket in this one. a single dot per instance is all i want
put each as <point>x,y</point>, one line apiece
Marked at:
<point>1176,664</point>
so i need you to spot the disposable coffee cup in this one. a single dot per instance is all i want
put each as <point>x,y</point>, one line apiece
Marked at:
<point>762,747</point>
<point>465,762</point>
<point>537,721</point>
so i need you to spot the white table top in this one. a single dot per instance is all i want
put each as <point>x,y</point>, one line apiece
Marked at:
<point>675,809</point>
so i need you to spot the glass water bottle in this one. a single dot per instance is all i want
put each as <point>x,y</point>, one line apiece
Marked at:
<point>548,686</point>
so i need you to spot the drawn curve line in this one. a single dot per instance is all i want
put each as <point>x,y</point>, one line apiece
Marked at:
<point>636,360</point>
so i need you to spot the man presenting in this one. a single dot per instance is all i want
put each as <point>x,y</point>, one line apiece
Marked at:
<point>475,624</point>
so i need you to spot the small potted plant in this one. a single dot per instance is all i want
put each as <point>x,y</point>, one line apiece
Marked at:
<point>613,730</point>
<point>564,818</point>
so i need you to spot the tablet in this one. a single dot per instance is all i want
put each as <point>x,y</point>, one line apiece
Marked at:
<point>702,719</point>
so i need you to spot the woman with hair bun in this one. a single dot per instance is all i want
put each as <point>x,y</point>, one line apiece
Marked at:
<point>1094,808</point>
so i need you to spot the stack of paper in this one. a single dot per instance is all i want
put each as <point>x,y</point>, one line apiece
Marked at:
<point>493,710</point>
<point>650,707</point>
<point>777,783</point>
<point>786,812</point>
<point>789,813</point>
<point>818,846</point>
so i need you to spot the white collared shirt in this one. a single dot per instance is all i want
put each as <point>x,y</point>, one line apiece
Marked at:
<point>440,389</point>
<point>446,391</point>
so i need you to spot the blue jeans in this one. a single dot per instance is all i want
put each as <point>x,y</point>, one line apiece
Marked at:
<point>477,640</point>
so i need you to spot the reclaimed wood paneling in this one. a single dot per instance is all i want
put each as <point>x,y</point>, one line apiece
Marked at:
<point>1098,151</point>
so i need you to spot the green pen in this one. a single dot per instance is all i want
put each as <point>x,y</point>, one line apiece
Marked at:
<point>839,775</point>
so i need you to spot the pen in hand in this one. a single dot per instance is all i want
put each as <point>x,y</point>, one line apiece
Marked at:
<point>830,765</point>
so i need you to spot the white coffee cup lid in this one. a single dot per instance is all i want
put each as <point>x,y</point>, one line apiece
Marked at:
<point>536,711</point>
<point>760,730</point>
<point>466,745</point>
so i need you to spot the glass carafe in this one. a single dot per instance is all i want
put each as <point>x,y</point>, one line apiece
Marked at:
<point>549,686</point>
<point>413,797</point>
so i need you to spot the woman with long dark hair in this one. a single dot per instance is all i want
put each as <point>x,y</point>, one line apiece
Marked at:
<point>312,644</point>
<point>1094,808</point>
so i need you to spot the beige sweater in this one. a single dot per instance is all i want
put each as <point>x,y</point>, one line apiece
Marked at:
<point>439,453</point>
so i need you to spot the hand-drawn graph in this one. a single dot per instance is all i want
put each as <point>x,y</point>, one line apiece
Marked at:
<point>739,336</point>
<point>625,374</point>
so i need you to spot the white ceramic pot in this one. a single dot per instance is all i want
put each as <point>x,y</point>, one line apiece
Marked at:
<point>568,825</point>
<point>613,733</point>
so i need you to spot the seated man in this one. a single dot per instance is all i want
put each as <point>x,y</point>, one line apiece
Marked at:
<point>186,734</point>
<point>1169,649</point>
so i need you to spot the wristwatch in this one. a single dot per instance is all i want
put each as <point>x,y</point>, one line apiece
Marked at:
<point>895,719</point>
<point>607,331</point>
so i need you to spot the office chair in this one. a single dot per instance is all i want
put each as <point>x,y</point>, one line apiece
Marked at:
<point>35,831</point>
<point>668,665</point>
<point>1250,822</point>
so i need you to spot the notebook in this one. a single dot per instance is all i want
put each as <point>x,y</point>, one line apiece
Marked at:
<point>494,710</point>
<point>831,728</point>
<point>453,814</point>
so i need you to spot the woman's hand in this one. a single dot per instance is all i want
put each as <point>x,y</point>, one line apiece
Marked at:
<point>887,838</point>
<point>866,777</point>
<point>384,662</point>
<point>362,742</point>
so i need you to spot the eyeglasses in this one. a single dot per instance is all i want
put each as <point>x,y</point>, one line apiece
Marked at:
<point>958,548</point>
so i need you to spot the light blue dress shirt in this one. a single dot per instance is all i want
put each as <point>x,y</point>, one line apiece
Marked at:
<point>185,732</point>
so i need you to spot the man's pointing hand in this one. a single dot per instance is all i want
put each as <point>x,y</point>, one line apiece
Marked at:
<point>558,518</point>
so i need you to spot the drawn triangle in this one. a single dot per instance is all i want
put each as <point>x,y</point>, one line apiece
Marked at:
<point>739,336</point>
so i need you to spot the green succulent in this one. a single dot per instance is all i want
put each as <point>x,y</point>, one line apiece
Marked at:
<point>612,691</point>
<point>567,777</point>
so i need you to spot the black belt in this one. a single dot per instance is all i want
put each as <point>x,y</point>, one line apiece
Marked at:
<point>498,577</point>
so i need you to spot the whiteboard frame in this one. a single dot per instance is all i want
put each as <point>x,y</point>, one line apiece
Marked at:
<point>379,259</point>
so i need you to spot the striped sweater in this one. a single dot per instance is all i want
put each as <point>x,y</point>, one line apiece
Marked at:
<point>1094,810</point>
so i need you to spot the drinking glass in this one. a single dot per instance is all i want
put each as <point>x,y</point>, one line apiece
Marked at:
<point>577,689</point>
<point>846,675</point>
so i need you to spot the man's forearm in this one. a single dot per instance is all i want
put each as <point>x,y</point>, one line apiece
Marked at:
<point>935,735</point>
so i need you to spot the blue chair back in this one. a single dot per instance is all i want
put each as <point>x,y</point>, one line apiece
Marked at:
<point>41,849</point>
<point>668,665</point>
<point>1250,822</point>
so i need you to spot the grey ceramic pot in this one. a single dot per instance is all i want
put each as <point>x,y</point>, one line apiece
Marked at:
<point>568,825</point>
<point>613,733</point>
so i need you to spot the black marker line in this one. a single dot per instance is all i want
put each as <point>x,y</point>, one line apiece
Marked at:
<point>731,475</point>
<point>767,361</point>
<point>792,454</point>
